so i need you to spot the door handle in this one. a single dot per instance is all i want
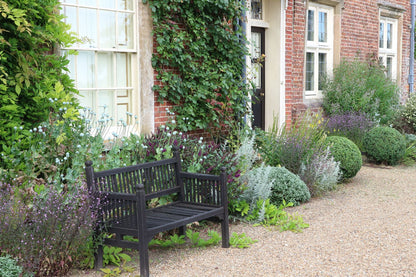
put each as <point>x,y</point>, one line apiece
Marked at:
<point>262,94</point>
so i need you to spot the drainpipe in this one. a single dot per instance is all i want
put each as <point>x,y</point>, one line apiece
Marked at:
<point>243,40</point>
<point>412,47</point>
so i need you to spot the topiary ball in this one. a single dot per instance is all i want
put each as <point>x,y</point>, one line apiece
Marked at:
<point>287,186</point>
<point>346,153</point>
<point>384,145</point>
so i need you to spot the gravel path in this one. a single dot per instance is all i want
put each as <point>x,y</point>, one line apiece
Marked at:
<point>365,228</point>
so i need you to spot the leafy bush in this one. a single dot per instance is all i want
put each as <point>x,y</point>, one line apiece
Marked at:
<point>385,144</point>
<point>28,70</point>
<point>409,157</point>
<point>359,86</point>
<point>352,125</point>
<point>408,113</point>
<point>9,267</point>
<point>287,186</point>
<point>321,172</point>
<point>290,147</point>
<point>347,154</point>
<point>48,234</point>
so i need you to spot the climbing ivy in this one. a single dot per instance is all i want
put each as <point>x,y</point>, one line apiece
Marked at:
<point>199,60</point>
<point>29,72</point>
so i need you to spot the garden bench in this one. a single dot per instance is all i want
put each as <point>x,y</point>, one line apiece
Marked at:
<point>125,193</point>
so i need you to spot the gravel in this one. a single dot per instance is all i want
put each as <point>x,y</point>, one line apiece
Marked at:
<point>366,227</point>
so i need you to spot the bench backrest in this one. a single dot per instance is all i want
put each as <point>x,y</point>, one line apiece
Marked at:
<point>159,178</point>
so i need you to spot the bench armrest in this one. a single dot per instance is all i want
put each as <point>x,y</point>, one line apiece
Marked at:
<point>204,188</point>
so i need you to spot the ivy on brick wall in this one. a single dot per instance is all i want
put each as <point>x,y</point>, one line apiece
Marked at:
<point>199,60</point>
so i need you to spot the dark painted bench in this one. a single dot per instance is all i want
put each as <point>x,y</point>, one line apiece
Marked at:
<point>126,191</point>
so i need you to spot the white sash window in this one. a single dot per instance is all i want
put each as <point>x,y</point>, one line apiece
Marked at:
<point>104,67</point>
<point>319,47</point>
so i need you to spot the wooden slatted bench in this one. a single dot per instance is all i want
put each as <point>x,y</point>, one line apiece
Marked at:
<point>126,191</point>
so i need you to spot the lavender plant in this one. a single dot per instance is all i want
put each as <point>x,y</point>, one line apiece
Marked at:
<point>290,147</point>
<point>352,125</point>
<point>47,235</point>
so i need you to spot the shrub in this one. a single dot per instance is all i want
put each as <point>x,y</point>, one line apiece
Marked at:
<point>48,232</point>
<point>321,172</point>
<point>287,186</point>
<point>346,153</point>
<point>359,86</point>
<point>9,267</point>
<point>384,144</point>
<point>352,125</point>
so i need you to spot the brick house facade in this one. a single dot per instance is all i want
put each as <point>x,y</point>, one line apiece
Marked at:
<point>357,33</point>
<point>300,39</point>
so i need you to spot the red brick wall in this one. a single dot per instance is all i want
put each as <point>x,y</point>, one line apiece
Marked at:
<point>359,38</point>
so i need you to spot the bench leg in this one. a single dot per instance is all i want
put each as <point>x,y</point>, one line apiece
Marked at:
<point>182,230</point>
<point>144,258</point>
<point>98,263</point>
<point>225,232</point>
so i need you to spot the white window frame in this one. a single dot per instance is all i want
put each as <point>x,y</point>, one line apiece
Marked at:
<point>385,52</point>
<point>316,47</point>
<point>95,49</point>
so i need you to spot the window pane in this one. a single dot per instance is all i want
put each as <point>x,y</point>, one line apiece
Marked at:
<point>85,69</point>
<point>311,26</point>
<point>255,55</point>
<point>88,27</point>
<point>91,3</point>
<point>310,59</point>
<point>108,4</point>
<point>389,67</point>
<point>106,102</point>
<point>71,17</point>
<point>389,35</point>
<point>87,99</point>
<point>381,42</point>
<point>123,70</point>
<point>322,69</point>
<point>256,9</point>
<point>105,75</point>
<point>323,22</point>
<point>125,5</point>
<point>107,29</point>
<point>125,31</point>
<point>70,1</point>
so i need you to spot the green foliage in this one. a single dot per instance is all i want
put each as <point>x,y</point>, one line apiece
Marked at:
<point>9,267</point>
<point>408,114</point>
<point>113,255</point>
<point>287,187</point>
<point>198,59</point>
<point>28,71</point>
<point>290,147</point>
<point>409,157</point>
<point>277,216</point>
<point>173,241</point>
<point>241,240</point>
<point>197,241</point>
<point>384,144</point>
<point>359,86</point>
<point>347,154</point>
